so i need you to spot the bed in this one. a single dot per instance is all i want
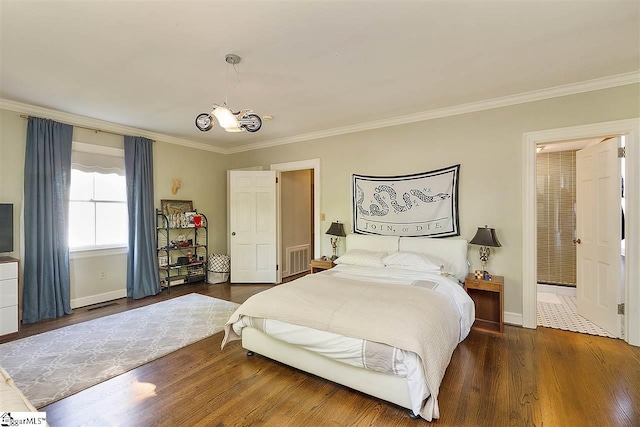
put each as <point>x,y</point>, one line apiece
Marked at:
<point>385,321</point>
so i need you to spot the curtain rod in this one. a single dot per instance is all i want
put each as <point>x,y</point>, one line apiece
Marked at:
<point>26,116</point>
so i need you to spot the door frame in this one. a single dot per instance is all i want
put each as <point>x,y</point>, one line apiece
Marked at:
<point>302,165</point>
<point>628,127</point>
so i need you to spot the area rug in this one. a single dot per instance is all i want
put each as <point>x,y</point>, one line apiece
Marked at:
<point>560,312</point>
<point>55,364</point>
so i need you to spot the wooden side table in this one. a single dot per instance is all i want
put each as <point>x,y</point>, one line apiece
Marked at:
<point>321,264</point>
<point>488,298</point>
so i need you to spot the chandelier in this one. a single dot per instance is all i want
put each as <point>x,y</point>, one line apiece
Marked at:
<point>228,119</point>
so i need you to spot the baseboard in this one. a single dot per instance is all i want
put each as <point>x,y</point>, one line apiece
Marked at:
<point>513,318</point>
<point>97,299</point>
<point>559,290</point>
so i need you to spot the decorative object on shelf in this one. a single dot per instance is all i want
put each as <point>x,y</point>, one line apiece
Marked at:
<point>486,238</point>
<point>177,183</point>
<point>170,207</point>
<point>189,219</point>
<point>228,120</point>
<point>336,230</point>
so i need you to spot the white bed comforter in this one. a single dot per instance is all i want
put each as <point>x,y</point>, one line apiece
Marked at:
<point>373,288</point>
<point>449,286</point>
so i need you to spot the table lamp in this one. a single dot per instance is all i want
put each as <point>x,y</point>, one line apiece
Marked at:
<point>336,230</point>
<point>486,238</point>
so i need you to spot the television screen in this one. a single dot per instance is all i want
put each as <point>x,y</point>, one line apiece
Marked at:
<point>6,227</point>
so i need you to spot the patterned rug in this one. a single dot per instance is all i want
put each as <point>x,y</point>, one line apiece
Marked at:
<point>560,312</point>
<point>55,364</point>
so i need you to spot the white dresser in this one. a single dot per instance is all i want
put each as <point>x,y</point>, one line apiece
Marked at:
<point>8,295</point>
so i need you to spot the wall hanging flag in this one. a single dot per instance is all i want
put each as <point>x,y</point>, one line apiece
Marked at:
<point>423,204</point>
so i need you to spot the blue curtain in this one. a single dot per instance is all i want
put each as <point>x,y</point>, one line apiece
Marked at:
<point>143,278</point>
<point>47,175</point>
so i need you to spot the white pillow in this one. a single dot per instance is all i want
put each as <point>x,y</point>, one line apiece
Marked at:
<point>362,258</point>
<point>452,252</point>
<point>411,260</point>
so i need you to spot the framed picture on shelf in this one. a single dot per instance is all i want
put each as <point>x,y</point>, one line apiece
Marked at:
<point>190,218</point>
<point>170,207</point>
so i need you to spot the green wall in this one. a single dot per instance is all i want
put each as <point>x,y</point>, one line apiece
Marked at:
<point>488,146</point>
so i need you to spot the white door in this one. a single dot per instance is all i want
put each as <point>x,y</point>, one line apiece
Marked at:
<point>598,234</point>
<point>252,222</point>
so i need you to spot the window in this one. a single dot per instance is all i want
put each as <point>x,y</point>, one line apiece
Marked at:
<point>98,199</point>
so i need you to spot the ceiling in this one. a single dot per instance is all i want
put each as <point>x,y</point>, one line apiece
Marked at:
<point>573,145</point>
<point>318,67</point>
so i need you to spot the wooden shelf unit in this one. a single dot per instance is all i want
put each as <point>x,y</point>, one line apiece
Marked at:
<point>487,296</point>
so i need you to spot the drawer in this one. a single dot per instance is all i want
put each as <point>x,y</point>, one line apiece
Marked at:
<point>8,270</point>
<point>8,320</point>
<point>483,285</point>
<point>8,292</point>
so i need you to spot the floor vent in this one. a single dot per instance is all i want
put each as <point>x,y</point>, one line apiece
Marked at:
<point>97,307</point>
<point>297,259</point>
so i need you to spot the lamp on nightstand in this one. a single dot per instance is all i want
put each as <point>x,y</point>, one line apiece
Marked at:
<point>486,238</point>
<point>336,231</point>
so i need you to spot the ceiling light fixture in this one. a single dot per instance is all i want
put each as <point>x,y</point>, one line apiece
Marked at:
<point>227,119</point>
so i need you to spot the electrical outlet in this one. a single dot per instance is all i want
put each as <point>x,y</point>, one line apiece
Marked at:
<point>103,275</point>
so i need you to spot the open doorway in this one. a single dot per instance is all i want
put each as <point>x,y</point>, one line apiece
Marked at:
<point>312,168</point>
<point>558,240</point>
<point>628,127</point>
<point>296,216</point>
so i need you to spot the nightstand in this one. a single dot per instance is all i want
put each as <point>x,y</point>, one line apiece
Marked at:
<point>487,296</point>
<point>321,264</point>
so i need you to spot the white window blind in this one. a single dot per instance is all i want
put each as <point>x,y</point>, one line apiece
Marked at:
<point>97,203</point>
<point>94,158</point>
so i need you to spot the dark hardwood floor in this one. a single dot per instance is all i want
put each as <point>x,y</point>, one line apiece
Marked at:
<point>542,377</point>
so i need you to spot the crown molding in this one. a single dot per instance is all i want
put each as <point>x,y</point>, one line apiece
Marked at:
<point>101,125</point>
<point>505,101</point>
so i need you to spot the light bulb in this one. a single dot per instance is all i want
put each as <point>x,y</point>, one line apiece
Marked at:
<point>225,118</point>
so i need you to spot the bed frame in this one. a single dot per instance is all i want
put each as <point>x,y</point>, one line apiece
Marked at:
<point>377,384</point>
<point>383,386</point>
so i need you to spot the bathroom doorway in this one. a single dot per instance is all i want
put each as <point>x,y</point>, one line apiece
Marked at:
<point>558,240</point>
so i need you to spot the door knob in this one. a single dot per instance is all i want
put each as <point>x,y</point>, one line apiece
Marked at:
<point>234,233</point>
<point>578,241</point>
